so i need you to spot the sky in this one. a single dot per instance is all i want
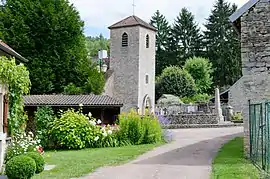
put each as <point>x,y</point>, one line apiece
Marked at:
<point>98,15</point>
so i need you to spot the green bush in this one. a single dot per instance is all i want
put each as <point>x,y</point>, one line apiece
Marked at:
<point>72,89</point>
<point>39,160</point>
<point>136,129</point>
<point>198,98</point>
<point>71,130</point>
<point>201,71</point>
<point>237,116</point>
<point>176,81</point>
<point>44,117</point>
<point>20,167</point>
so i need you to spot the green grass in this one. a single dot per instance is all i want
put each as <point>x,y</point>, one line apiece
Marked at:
<point>231,164</point>
<point>81,162</point>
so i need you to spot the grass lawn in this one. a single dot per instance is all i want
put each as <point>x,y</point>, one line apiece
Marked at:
<point>231,164</point>
<point>81,162</point>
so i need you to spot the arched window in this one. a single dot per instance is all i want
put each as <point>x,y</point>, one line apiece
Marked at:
<point>147,41</point>
<point>124,40</point>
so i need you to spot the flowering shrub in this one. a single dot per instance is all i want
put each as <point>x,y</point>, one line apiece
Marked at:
<point>74,130</point>
<point>137,129</point>
<point>20,144</point>
<point>167,134</point>
<point>70,130</point>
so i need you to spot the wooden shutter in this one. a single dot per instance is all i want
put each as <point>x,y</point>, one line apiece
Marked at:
<point>5,118</point>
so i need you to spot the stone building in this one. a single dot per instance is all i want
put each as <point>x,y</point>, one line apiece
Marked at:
<point>252,23</point>
<point>132,64</point>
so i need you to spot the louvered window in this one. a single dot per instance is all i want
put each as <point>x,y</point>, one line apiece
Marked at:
<point>124,40</point>
<point>147,41</point>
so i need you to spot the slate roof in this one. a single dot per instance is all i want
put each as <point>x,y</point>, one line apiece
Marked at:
<point>238,13</point>
<point>132,21</point>
<point>7,49</point>
<point>71,100</point>
<point>235,17</point>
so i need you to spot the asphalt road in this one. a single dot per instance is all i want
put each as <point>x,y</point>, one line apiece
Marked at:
<point>188,157</point>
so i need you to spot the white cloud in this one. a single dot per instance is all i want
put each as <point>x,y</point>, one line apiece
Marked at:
<point>100,14</point>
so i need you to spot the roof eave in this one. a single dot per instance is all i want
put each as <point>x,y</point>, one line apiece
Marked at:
<point>238,13</point>
<point>12,53</point>
<point>118,27</point>
<point>73,105</point>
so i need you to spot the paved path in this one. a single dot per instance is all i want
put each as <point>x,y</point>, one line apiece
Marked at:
<point>188,157</point>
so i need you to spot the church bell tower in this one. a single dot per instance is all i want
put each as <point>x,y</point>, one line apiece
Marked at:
<point>132,54</point>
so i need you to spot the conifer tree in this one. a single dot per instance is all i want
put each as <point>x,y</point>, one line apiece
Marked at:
<point>223,45</point>
<point>160,22</point>
<point>186,36</point>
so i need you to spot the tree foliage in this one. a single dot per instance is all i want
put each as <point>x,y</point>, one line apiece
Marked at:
<point>49,34</point>
<point>159,21</point>
<point>186,36</point>
<point>176,81</point>
<point>201,71</point>
<point>223,45</point>
<point>94,44</point>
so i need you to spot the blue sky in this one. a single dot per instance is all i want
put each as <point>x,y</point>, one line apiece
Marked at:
<point>99,14</point>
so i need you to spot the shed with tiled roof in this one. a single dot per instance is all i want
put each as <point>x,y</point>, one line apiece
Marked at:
<point>72,100</point>
<point>102,107</point>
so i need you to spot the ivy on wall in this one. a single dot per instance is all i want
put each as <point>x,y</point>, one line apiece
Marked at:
<point>16,77</point>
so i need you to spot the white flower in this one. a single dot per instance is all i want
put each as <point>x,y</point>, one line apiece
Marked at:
<point>105,134</point>
<point>109,132</point>
<point>99,121</point>
<point>90,114</point>
<point>93,123</point>
<point>96,138</point>
<point>103,129</point>
<point>81,105</point>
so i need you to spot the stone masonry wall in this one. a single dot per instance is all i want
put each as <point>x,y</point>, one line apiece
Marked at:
<point>125,64</point>
<point>147,67</point>
<point>255,52</point>
<point>193,119</point>
<point>236,96</point>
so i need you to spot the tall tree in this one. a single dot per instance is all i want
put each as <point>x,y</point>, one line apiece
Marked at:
<point>186,36</point>
<point>223,45</point>
<point>49,34</point>
<point>160,22</point>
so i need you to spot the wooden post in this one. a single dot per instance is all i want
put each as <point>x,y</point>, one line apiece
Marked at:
<point>5,115</point>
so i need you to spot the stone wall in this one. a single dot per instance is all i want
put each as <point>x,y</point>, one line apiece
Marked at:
<point>255,52</point>
<point>193,119</point>
<point>236,96</point>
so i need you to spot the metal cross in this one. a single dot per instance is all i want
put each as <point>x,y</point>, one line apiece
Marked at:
<point>133,7</point>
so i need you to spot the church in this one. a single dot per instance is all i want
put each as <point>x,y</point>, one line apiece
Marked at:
<point>131,78</point>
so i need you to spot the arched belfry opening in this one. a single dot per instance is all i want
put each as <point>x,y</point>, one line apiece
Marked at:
<point>147,104</point>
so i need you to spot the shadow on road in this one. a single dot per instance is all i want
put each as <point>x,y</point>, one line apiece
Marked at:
<point>197,154</point>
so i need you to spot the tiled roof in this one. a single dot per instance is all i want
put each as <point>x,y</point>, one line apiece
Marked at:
<point>132,21</point>
<point>7,49</point>
<point>71,100</point>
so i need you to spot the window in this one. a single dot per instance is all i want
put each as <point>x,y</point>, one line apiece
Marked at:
<point>147,41</point>
<point>146,79</point>
<point>124,40</point>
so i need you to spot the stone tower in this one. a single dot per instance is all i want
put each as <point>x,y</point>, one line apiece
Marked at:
<point>132,54</point>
